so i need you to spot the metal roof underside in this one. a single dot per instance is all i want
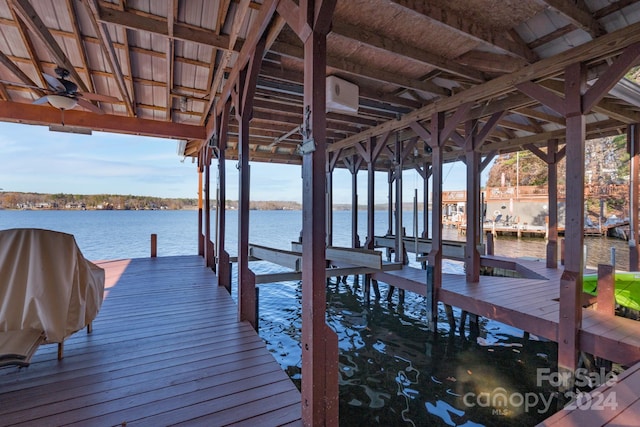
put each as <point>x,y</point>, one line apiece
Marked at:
<point>160,65</point>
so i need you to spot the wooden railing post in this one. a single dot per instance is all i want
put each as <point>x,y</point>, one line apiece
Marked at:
<point>490,244</point>
<point>606,298</point>
<point>154,245</point>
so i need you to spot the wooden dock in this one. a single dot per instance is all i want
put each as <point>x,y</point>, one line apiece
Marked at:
<point>622,407</point>
<point>166,348</point>
<point>529,303</point>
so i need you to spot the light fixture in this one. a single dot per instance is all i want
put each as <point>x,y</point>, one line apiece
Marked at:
<point>62,102</point>
<point>183,104</point>
<point>69,129</point>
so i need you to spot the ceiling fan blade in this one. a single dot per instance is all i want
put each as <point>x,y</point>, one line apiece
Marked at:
<point>97,97</point>
<point>54,82</point>
<point>89,106</point>
<point>41,100</point>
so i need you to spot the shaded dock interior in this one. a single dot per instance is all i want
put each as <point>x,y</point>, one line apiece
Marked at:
<point>166,348</point>
<point>430,83</point>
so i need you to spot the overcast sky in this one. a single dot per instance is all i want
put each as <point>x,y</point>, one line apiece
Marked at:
<point>33,159</point>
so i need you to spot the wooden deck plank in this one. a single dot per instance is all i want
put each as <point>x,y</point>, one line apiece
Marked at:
<point>165,331</point>
<point>624,397</point>
<point>527,304</point>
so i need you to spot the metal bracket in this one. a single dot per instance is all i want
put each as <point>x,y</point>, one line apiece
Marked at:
<point>307,146</point>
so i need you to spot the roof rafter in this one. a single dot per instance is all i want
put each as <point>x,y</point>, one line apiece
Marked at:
<point>112,58</point>
<point>172,12</point>
<point>378,41</point>
<point>77,35</point>
<point>22,28</point>
<point>240,15</point>
<point>7,62</point>
<point>361,70</point>
<point>35,24</point>
<point>159,26</point>
<point>471,29</point>
<point>577,13</point>
<point>605,46</point>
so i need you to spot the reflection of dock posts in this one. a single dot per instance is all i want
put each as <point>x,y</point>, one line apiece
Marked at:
<point>450,317</point>
<point>154,245</point>
<point>432,301</point>
<point>606,290</point>
<point>474,324</point>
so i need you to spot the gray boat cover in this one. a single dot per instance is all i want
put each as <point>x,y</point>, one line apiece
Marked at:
<point>46,284</point>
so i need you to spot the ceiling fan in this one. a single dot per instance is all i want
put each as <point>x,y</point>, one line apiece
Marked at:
<point>64,95</point>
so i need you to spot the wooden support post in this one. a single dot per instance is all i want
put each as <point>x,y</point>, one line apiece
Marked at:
<point>425,200</point>
<point>472,156</point>
<point>355,239</point>
<point>552,171</point>
<point>390,179</point>
<point>244,110</point>
<point>606,298</point>
<point>436,144</point>
<point>371,191</point>
<point>329,206</point>
<point>223,268</point>
<point>571,281</point>
<point>400,257</point>
<point>633,145</point>
<point>154,245</point>
<point>319,342</point>
<point>490,243</point>
<point>200,217</point>
<point>208,247</point>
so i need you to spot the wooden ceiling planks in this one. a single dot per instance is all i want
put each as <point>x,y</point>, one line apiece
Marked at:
<point>171,61</point>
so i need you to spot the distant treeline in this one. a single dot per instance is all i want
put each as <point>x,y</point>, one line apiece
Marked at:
<point>18,200</point>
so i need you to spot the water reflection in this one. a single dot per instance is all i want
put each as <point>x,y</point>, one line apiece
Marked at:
<point>393,371</point>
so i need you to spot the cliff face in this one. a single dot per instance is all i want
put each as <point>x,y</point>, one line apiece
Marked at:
<point>606,162</point>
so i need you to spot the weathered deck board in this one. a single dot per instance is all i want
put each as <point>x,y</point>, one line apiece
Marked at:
<point>166,345</point>
<point>620,405</point>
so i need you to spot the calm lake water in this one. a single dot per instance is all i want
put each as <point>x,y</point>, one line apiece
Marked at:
<point>393,371</point>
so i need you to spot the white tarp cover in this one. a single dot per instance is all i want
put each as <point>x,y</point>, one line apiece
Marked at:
<point>46,284</point>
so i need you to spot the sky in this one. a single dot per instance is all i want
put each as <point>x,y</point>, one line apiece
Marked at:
<point>33,159</point>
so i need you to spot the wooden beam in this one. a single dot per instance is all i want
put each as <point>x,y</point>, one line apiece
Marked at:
<point>22,28</point>
<point>611,77</point>
<point>45,115</point>
<point>364,70</point>
<point>605,46</point>
<point>77,34</point>
<point>17,71</point>
<point>238,21</point>
<point>469,28</point>
<point>577,13</point>
<point>255,33</point>
<point>172,13</point>
<point>281,257</point>
<point>40,30</point>
<point>363,36</point>
<point>181,31</point>
<point>290,12</point>
<point>112,58</point>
